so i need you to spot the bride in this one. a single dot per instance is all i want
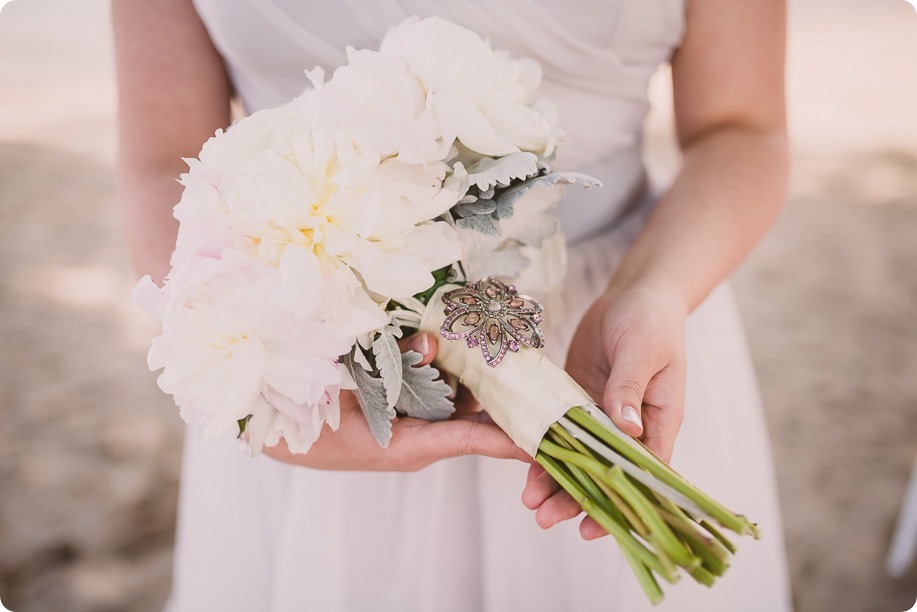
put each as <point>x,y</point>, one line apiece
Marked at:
<point>435,522</point>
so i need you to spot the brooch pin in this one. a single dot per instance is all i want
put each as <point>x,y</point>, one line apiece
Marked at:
<point>493,316</point>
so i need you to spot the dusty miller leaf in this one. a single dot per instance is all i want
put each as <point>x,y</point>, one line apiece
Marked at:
<point>478,207</point>
<point>371,395</point>
<point>484,224</point>
<point>360,357</point>
<point>422,396</point>
<point>509,196</point>
<point>388,361</point>
<point>484,215</point>
<point>490,172</point>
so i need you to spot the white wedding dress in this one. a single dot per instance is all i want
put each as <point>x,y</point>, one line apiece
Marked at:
<point>257,535</point>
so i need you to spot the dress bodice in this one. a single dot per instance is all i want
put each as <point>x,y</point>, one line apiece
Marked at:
<point>597,57</point>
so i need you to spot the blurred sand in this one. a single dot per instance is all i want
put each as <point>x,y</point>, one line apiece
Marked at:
<point>89,447</point>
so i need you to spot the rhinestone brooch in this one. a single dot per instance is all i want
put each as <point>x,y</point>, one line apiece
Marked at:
<point>492,316</point>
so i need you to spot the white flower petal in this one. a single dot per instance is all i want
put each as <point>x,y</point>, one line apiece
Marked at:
<point>461,120</point>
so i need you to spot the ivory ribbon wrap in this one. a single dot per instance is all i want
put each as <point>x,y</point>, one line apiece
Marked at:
<point>524,394</point>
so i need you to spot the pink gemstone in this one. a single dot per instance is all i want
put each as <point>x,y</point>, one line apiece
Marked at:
<point>471,318</point>
<point>493,332</point>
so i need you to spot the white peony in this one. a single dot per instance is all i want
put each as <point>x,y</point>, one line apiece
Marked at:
<point>301,195</point>
<point>381,104</point>
<point>482,98</point>
<point>229,349</point>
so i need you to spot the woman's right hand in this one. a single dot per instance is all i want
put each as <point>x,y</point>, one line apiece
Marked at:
<point>415,443</point>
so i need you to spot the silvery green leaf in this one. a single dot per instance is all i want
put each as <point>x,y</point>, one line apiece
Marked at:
<point>487,195</point>
<point>504,209</point>
<point>510,195</point>
<point>388,361</point>
<point>502,171</point>
<point>422,396</point>
<point>360,357</point>
<point>478,207</point>
<point>371,395</point>
<point>484,224</point>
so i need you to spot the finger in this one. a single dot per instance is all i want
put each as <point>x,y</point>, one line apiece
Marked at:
<point>455,438</point>
<point>535,470</point>
<point>662,425</point>
<point>624,393</point>
<point>663,410</point>
<point>590,530</point>
<point>559,507</point>
<point>479,417</point>
<point>421,342</point>
<point>539,488</point>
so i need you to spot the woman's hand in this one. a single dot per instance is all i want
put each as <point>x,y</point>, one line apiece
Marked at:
<point>415,443</point>
<point>628,353</point>
<point>730,115</point>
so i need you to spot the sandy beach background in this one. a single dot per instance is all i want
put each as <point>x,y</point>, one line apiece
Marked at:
<point>89,448</point>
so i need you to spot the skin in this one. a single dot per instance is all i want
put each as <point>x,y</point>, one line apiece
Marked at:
<point>629,349</point>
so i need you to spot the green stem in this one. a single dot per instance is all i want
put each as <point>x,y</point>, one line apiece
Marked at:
<point>614,477</point>
<point>644,577</point>
<point>676,549</point>
<point>642,572</point>
<point>664,473</point>
<point>624,538</point>
<point>626,510</point>
<point>702,576</point>
<point>720,537</point>
<point>688,527</point>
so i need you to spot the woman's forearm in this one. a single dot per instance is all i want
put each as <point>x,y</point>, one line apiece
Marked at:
<point>147,198</point>
<point>173,93</point>
<point>728,192</point>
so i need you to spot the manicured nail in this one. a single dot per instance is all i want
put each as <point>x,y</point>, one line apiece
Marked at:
<point>421,344</point>
<point>629,414</point>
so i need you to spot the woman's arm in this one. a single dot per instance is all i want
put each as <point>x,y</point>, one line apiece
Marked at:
<point>173,94</point>
<point>731,125</point>
<point>628,351</point>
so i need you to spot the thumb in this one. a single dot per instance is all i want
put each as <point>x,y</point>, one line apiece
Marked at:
<point>623,397</point>
<point>421,342</point>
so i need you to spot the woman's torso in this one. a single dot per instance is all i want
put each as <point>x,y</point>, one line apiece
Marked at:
<point>597,57</point>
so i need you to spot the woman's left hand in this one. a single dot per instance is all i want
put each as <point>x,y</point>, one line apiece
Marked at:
<point>628,353</point>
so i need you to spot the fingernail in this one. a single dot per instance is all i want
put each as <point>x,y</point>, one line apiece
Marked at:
<point>629,414</point>
<point>421,344</point>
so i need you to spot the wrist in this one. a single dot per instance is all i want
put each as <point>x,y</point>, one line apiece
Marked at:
<point>656,288</point>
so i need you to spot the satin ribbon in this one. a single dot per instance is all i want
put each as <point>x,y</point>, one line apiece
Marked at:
<point>524,394</point>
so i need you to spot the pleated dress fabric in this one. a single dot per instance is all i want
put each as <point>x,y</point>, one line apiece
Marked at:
<point>257,535</point>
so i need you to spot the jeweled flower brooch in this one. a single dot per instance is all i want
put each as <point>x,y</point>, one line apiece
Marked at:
<point>493,316</point>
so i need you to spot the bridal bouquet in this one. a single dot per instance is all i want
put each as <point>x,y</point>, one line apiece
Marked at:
<point>411,190</point>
